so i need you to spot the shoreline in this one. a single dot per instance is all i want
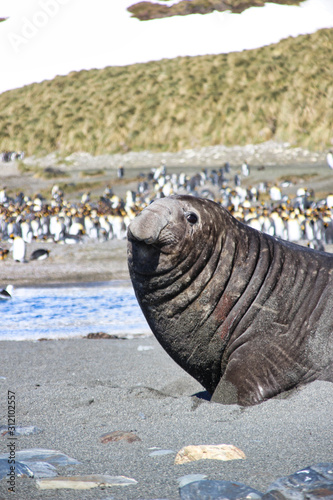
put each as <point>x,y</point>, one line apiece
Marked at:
<point>87,263</point>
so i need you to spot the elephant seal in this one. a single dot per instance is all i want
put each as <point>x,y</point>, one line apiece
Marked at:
<point>246,314</point>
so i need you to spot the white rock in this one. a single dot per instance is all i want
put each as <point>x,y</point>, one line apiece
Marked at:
<point>83,482</point>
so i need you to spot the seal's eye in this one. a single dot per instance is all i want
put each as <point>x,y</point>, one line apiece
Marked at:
<point>191,218</point>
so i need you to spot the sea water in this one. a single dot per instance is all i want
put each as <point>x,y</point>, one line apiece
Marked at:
<point>68,311</point>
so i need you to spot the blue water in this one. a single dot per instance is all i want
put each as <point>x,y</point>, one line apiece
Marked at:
<point>71,311</point>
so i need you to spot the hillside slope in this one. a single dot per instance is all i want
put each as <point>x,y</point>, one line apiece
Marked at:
<point>148,10</point>
<point>283,91</point>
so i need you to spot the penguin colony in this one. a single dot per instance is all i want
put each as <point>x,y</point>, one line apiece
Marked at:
<point>24,219</point>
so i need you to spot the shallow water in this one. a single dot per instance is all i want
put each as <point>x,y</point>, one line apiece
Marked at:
<point>71,311</point>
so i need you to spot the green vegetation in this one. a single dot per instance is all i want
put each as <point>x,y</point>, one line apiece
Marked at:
<point>51,173</point>
<point>147,10</point>
<point>25,169</point>
<point>44,173</point>
<point>92,173</point>
<point>296,179</point>
<point>283,91</point>
<point>72,187</point>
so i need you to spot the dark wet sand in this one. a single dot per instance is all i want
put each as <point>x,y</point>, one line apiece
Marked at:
<point>77,390</point>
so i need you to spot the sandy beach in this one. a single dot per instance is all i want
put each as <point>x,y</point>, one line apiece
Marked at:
<point>88,262</point>
<point>75,391</point>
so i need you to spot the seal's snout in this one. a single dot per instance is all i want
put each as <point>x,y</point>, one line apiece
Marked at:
<point>136,236</point>
<point>147,226</point>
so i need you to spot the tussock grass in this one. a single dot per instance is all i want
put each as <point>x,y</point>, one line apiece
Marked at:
<point>147,10</point>
<point>92,173</point>
<point>295,179</point>
<point>283,91</point>
<point>74,187</point>
<point>24,168</point>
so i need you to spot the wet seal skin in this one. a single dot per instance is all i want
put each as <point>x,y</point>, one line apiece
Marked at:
<point>246,314</point>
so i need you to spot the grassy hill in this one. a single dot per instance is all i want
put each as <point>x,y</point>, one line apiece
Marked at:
<point>147,10</point>
<point>283,91</point>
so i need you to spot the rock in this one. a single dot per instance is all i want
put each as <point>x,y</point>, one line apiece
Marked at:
<point>310,483</point>
<point>160,453</point>
<point>84,482</point>
<point>41,469</point>
<point>112,437</point>
<point>20,431</point>
<point>218,490</point>
<point>216,452</point>
<point>40,455</point>
<point>21,469</point>
<point>145,348</point>
<point>190,478</point>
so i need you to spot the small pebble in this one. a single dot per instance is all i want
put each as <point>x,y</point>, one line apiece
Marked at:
<point>190,478</point>
<point>112,437</point>
<point>21,469</point>
<point>311,483</point>
<point>218,490</point>
<point>145,348</point>
<point>161,453</point>
<point>84,482</point>
<point>20,431</point>
<point>40,455</point>
<point>42,469</point>
<point>216,452</point>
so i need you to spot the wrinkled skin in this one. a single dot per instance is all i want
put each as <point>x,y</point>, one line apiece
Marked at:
<point>246,314</point>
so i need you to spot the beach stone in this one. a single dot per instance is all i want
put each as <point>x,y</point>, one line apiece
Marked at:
<point>41,469</point>
<point>40,455</point>
<point>20,431</point>
<point>223,452</point>
<point>310,483</point>
<point>112,437</point>
<point>21,469</point>
<point>145,348</point>
<point>160,453</point>
<point>218,490</point>
<point>84,482</point>
<point>190,478</point>
<point>324,469</point>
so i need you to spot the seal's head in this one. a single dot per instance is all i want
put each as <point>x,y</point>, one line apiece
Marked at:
<point>169,233</point>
